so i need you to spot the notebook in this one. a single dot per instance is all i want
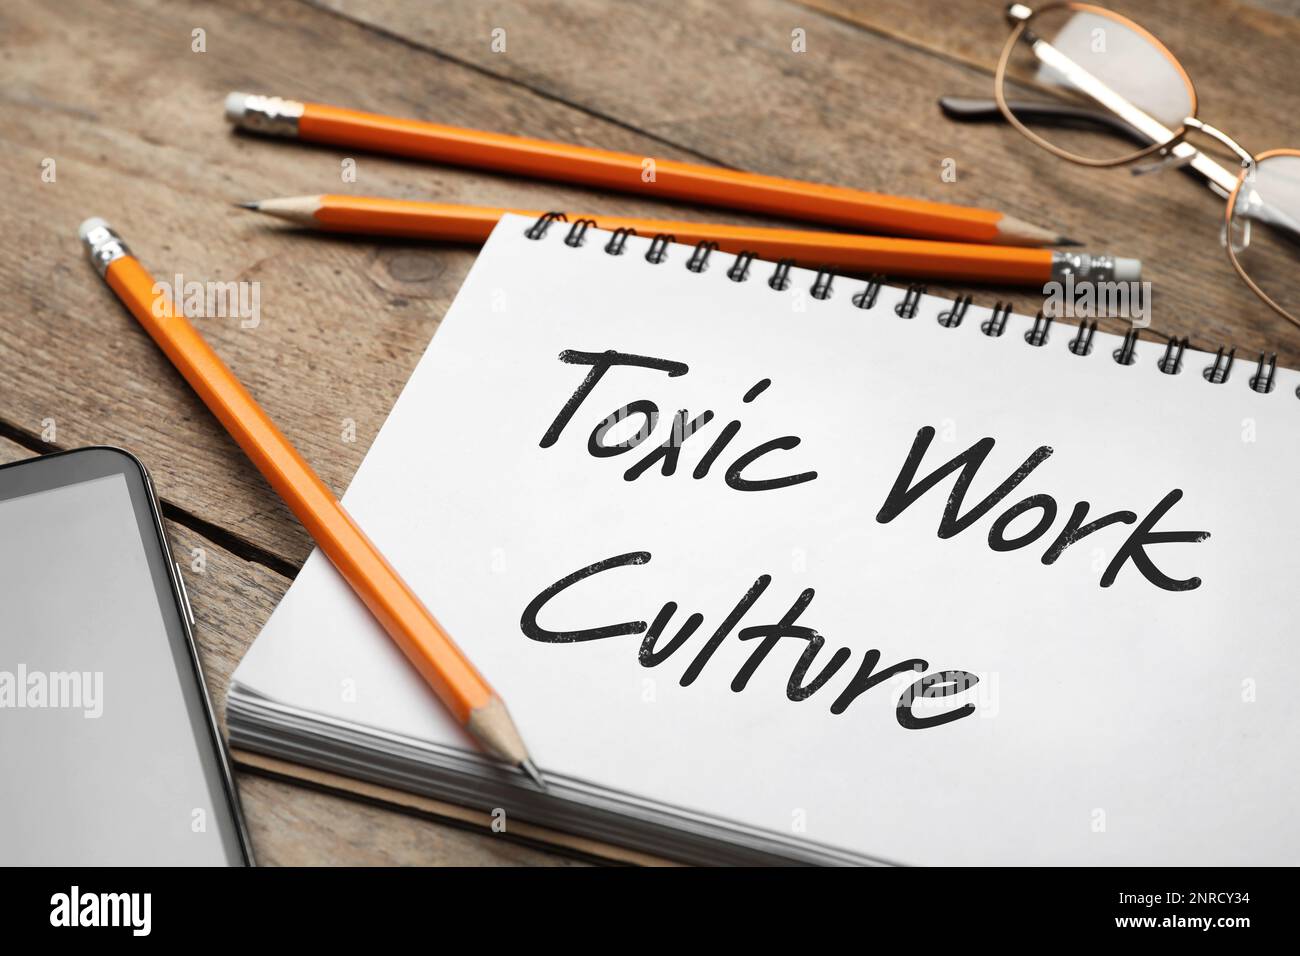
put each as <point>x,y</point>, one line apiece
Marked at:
<point>798,571</point>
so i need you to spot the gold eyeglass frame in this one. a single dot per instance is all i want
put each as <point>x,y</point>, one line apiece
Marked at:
<point>1022,16</point>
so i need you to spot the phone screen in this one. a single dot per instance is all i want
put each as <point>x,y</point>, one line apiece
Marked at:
<point>107,751</point>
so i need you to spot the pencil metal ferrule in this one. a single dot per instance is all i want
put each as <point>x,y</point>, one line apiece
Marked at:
<point>1094,268</point>
<point>103,245</point>
<point>271,115</point>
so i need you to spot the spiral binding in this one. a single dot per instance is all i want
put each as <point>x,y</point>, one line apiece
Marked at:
<point>1263,380</point>
<point>907,309</point>
<point>578,232</point>
<point>739,270</point>
<point>1171,363</point>
<point>821,287</point>
<point>1081,344</point>
<point>951,318</point>
<point>996,323</point>
<point>780,280</point>
<point>1124,355</point>
<point>658,250</point>
<point>866,299</point>
<point>618,241</point>
<point>1257,381</point>
<point>538,229</point>
<point>1217,373</point>
<point>1037,336</point>
<point>699,260</point>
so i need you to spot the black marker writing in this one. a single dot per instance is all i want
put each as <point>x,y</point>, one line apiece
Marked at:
<point>600,362</point>
<point>667,453</point>
<point>768,636</point>
<point>904,494</point>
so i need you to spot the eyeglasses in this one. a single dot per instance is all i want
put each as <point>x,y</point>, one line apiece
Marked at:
<point>1106,75</point>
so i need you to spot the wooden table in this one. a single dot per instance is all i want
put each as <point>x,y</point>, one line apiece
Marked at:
<point>116,96</point>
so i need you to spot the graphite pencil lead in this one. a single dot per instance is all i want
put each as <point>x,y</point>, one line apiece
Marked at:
<point>249,205</point>
<point>530,768</point>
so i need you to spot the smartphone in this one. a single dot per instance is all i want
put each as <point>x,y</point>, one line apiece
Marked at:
<point>109,752</point>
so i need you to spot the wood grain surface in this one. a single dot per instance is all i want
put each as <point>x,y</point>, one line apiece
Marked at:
<point>131,118</point>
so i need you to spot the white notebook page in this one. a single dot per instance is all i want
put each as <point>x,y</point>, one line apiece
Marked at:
<point>1128,723</point>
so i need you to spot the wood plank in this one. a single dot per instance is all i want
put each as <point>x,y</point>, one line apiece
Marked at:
<point>1290,8</point>
<point>480,820</point>
<point>858,108</point>
<point>343,322</point>
<point>291,824</point>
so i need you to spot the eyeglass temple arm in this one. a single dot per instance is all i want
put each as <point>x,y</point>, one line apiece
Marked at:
<point>974,109</point>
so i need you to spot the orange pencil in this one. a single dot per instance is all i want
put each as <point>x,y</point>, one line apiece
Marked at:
<point>922,258</point>
<point>453,678</point>
<point>710,185</point>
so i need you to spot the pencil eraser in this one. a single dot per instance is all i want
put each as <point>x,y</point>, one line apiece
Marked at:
<point>1127,270</point>
<point>236,106</point>
<point>91,224</point>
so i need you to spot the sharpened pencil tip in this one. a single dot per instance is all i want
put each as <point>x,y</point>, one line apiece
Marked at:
<point>530,768</point>
<point>1067,241</point>
<point>249,205</point>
